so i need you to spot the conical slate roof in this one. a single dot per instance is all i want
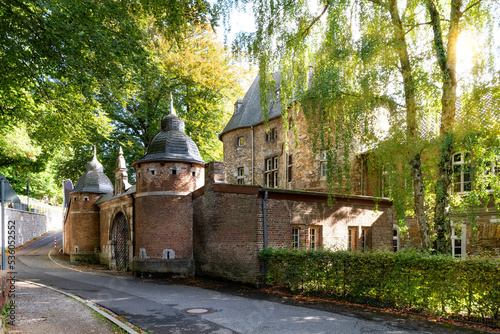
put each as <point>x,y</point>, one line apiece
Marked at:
<point>94,180</point>
<point>171,143</point>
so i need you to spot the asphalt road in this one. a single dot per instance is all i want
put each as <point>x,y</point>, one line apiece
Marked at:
<point>157,306</point>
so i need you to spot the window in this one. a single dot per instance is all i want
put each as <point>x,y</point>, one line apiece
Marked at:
<point>461,173</point>
<point>313,238</point>
<point>351,239</point>
<point>289,173</point>
<point>295,238</point>
<point>241,175</point>
<point>271,172</point>
<point>386,190</point>
<point>493,168</point>
<point>173,171</point>
<point>193,173</point>
<point>363,240</point>
<point>396,240</point>
<point>272,134</point>
<point>241,141</point>
<point>323,156</point>
<point>458,240</point>
<point>237,106</point>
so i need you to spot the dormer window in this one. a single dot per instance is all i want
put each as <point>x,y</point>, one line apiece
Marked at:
<point>237,106</point>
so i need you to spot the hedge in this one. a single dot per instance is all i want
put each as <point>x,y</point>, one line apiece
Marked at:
<point>431,284</point>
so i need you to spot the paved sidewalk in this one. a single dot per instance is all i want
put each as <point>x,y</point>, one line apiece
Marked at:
<point>41,310</point>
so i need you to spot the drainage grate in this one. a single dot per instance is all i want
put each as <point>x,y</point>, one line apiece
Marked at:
<point>197,311</point>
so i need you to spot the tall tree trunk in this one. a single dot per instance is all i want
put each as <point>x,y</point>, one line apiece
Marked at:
<point>419,196</point>
<point>411,121</point>
<point>447,60</point>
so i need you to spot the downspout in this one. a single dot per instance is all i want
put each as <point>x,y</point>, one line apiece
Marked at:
<point>362,172</point>
<point>253,181</point>
<point>264,215</point>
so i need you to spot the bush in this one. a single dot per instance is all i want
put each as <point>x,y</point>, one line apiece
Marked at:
<point>431,284</point>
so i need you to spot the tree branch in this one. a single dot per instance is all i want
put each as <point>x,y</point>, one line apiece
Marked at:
<point>471,6</point>
<point>313,22</point>
<point>416,25</point>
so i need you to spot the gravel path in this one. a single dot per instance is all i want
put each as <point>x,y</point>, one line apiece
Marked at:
<point>41,311</point>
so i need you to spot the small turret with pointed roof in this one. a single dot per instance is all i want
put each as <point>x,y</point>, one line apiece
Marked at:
<point>171,143</point>
<point>121,175</point>
<point>94,180</point>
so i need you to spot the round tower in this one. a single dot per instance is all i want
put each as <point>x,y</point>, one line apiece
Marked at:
<point>165,178</point>
<point>81,227</point>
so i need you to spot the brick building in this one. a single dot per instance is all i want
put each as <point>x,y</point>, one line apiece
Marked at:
<point>255,154</point>
<point>185,217</point>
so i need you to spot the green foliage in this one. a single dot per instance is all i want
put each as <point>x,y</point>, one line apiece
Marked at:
<point>72,70</point>
<point>407,280</point>
<point>386,82</point>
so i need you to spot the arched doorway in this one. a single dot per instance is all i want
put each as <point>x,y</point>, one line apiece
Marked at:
<point>119,236</point>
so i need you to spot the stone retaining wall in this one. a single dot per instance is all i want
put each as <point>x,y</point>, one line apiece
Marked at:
<point>28,225</point>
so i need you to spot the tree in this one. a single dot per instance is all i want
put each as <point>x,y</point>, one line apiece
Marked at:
<point>57,57</point>
<point>201,76</point>
<point>375,55</point>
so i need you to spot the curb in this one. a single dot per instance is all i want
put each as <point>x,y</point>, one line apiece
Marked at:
<point>90,305</point>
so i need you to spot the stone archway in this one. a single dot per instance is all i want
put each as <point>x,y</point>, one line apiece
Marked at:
<point>119,236</point>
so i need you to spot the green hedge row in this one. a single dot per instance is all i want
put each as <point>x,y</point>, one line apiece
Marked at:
<point>425,283</point>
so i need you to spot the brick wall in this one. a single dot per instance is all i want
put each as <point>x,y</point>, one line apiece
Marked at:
<point>164,222</point>
<point>485,239</point>
<point>159,176</point>
<point>228,225</point>
<point>82,224</point>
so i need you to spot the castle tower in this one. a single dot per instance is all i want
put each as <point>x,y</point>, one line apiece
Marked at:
<point>81,227</point>
<point>166,176</point>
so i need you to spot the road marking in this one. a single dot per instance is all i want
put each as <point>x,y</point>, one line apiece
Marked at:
<point>61,265</point>
<point>89,304</point>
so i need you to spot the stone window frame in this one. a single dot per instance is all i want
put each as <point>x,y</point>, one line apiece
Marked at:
<point>240,141</point>
<point>295,238</point>
<point>315,240</point>
<point>289,174</point>
<point>396,238</point>
<point>271,134</point>
<point>352,238</point>
<point>240,178</point>
<point>271,168</point>
<point>323,165</point>
<point>462,173</point>
<point>458,240</point>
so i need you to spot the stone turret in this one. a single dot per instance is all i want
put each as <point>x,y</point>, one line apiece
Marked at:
<point>169,172</point>
<point>121,176</point>
<point>81,228</point>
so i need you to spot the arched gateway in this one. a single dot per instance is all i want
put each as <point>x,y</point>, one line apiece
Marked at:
<point>119,236</point>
